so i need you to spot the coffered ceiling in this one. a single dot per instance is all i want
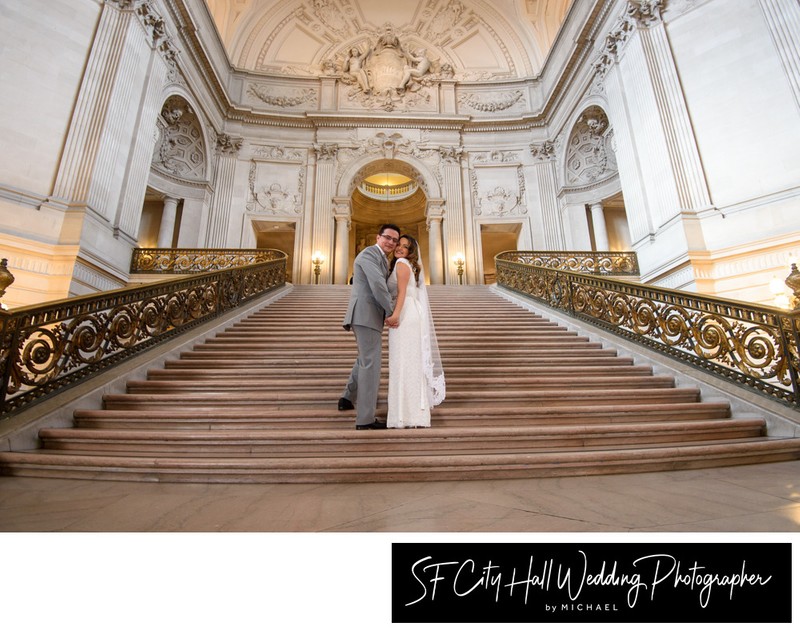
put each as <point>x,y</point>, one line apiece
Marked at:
<point>478,39</point>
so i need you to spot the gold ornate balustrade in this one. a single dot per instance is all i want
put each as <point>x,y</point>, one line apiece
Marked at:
<point>751,345</point>
<point>602,263</point>
<point>53,346</point>
<point>194,261</point>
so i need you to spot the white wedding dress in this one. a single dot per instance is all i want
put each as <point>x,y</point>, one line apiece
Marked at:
<point>415,384</point>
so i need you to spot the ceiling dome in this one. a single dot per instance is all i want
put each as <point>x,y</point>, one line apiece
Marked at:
<point>476,40</point>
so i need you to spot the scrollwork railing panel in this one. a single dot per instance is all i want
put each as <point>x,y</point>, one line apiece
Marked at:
<point>600,263</point>
<point>52,346</point>
<point>754,346</point>
<point>195,261</point>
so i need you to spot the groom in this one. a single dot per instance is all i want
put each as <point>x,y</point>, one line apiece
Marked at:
<point>369,305</point>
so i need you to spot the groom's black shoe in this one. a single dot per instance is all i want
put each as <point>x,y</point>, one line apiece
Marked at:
<point>376,424</point>
<point>345,404</point>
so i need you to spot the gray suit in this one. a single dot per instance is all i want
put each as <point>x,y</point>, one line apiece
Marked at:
<point>370,303</point>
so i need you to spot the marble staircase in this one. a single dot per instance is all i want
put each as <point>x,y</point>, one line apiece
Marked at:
<point>525,398</point>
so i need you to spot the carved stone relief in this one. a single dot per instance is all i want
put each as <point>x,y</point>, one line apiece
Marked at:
<point>498,192</point>
<point>488,157</point>
<point>491,102</point>
<point>590,157</point>
<point>180,149</point>
<point>277,153</point>
<point>543,151</point>
<point>228,145</point>
<point>287,99</point>
<point>388,75</point>
<point>389,146</point>
<point>157,32</point>
<point>276,190</point>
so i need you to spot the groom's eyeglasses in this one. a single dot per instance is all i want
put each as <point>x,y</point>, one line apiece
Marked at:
<point>392,239</point>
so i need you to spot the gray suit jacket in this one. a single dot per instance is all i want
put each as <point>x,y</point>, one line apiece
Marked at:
<point>370,301</point>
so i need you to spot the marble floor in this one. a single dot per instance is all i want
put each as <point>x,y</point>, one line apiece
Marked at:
<point>754,498</point>
<point>175,542</point>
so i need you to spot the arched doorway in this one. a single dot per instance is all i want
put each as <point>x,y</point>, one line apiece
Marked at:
<point>387,191</point>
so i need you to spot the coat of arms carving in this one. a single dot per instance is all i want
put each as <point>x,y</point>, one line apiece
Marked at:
<point>387,74</point>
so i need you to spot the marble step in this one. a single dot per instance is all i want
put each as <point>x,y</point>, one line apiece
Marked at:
<point>476,399</point>
<point>574,361</point>
<point>316,442</point>
<point>334,384</point>
<point>321,418</point>
<point>405,468</point>
<point>186,371</point>
<point>526,398</point>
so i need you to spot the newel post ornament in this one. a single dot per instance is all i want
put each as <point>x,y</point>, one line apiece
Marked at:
<point>6,278</point>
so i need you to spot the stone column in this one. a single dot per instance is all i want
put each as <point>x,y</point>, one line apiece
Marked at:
<point>341,214</point>
<point>323,224</point>
<point>227,152</point>
<point>435,257</point>
<point>545,172</point>
<point>166,231</point>
<point>599,226</point>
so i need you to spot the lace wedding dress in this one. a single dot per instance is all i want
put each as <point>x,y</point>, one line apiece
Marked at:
<point>416,379</point>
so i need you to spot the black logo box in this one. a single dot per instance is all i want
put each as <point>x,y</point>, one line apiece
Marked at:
<point>572,582</point>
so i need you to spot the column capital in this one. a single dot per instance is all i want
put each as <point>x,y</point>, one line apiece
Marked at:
<point>645,13</point>
<point>342,209</point>
<point>228,145</point>
<point>544,151</point>
<point>435,210</point>
<point>326,151</point>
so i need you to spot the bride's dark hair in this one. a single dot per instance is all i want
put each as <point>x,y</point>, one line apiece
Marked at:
<point>412,256</point>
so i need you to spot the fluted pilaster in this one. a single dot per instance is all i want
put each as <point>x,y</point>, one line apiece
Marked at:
<point>89,122</point>
<point>130,206</point>
<point>545,174</point>
<point>689,178</point>
<point>227,151</point>
<point>637,209</point>
<point>783,20</point>
<point>323,237</point>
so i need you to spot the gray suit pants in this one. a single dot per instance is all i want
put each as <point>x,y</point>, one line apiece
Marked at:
<point>365,378</point>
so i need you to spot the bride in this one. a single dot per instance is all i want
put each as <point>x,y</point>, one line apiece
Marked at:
<point>416,378</point>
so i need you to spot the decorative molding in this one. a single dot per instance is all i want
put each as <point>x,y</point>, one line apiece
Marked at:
<point>275,197</point>
<point>495,103</point>
<point>496,157</point>
<point>159,37</point>
<point>294,99</point>
<point>645,13</point>
<point>280,154</point>
<point>614,44</point>
<point>499,201</point>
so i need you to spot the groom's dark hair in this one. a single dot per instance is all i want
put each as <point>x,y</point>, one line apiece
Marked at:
<point>389,226</point>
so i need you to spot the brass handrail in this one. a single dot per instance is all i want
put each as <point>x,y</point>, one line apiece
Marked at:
<point>49,347</point>
<point>602,263</point>
<point>195,260</point>
<point>749,344</point>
